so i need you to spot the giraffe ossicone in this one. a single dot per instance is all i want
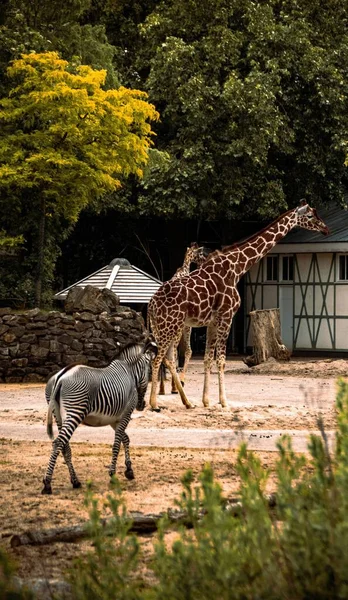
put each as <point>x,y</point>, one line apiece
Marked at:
<point>208,297</point>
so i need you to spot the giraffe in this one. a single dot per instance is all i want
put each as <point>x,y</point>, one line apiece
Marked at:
<point>209,297</point>
<point>194,254</point>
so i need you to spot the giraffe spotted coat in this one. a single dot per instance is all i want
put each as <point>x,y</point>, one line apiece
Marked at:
<point>209,297</point>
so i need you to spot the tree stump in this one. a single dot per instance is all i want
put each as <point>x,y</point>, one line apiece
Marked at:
<point>266,336</point>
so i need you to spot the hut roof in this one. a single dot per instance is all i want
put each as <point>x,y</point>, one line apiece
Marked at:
<point>132,285</point>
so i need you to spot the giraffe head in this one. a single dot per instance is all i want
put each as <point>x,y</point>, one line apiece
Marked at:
<point>308,218</point>
<point>196,254</point>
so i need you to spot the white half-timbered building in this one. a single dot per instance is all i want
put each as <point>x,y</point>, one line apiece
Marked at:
<point>306,276</point>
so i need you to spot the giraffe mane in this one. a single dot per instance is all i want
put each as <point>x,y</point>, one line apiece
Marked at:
<point>252,237</point>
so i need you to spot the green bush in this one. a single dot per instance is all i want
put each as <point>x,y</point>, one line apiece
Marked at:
<point>8,588</point>
<point>108,571</point>
<point>296,550</point>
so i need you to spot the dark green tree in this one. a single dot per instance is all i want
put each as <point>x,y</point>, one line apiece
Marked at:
<point>253,100</point>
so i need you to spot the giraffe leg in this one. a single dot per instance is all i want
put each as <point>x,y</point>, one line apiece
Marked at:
<point>175,360</point>
<point>188,352</point>
<point>172,367</point>
<point>173,356</point>
<point>162,374</point>
<point>221,360</point>
<point>155,369</point>
<point>208,361</point>
<point>59,444</point>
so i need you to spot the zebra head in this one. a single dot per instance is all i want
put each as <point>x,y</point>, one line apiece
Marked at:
<point>149,353</point>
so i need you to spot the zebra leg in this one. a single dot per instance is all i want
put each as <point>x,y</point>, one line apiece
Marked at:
<point>67,459</point>
<point>120,428</point>
<point>129,471</point>
<point>59,445</point>
<point>66,451</point>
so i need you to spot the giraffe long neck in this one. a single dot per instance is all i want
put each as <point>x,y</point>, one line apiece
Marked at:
<point>253,250</point>
<point>184,269</point>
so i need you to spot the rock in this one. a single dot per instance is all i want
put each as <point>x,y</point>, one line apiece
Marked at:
<point>33,312</point>
<point>91,299</point>
<point>38,351</point>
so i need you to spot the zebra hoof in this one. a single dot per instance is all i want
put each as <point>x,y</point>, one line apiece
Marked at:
<point>129,474</point>
<point>76,484</point>
<point>174,392</point>
<point>47,489</point>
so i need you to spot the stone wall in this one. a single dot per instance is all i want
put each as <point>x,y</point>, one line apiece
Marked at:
<point>35,344</point>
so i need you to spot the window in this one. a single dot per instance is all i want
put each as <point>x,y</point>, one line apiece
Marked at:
<point>272,268</point>
<point>343,267</point>
<point>287,268</point>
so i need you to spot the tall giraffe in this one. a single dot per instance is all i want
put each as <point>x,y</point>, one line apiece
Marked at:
<point>194,254</point>
<point>209,297</point>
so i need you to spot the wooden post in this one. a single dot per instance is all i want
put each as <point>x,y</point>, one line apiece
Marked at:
<point>266,336</point>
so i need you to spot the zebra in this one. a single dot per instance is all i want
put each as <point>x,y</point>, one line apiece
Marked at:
<point>97,397</point>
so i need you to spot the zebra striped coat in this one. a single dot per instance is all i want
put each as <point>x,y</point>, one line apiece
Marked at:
<point>97,397</point>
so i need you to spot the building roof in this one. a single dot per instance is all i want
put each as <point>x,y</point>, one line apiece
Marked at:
<point>337,221</point>
<point>132,285</point>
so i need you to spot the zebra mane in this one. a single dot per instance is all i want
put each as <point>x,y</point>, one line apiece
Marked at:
<point>131,351</point>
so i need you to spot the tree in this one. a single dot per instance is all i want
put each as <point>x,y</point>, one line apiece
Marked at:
<point>65,142</point>
<point>253,99</point>
<point>46,25</point>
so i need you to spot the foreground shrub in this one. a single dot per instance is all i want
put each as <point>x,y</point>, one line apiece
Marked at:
<point>8,588</point>
<point>107,572</point>
<point>296,550</point>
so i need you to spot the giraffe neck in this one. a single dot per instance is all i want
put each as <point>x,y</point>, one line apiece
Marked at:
<point>255,248</point>
<point>182,271</point>
<point>185,268</point>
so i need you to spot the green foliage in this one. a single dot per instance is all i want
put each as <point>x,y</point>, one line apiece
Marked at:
<point>65,143</point>
<point>8,589</point>
<point>66,138</point>
<point>253,98</point>
<point>42,25</point>
<point>296,550</point>
<point>107,572</point>
<point>9,241</point>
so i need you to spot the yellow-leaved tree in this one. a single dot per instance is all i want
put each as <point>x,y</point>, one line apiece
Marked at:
<point>65,141</point>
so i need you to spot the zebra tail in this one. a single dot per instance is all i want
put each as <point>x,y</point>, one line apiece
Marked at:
<point>53,405</point>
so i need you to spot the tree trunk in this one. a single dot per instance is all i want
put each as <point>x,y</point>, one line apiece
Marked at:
<point>266,336</point>
<point>40,254</point>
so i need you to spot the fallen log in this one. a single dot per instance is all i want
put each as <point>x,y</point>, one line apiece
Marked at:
<point>140,524</point>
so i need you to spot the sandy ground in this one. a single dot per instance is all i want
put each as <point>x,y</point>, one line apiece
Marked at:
<point>262,403</point>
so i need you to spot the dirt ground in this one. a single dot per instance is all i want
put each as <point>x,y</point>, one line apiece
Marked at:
<point>274,396</point>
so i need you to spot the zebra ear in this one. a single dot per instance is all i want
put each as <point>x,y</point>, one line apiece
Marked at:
<point>152,348</point>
